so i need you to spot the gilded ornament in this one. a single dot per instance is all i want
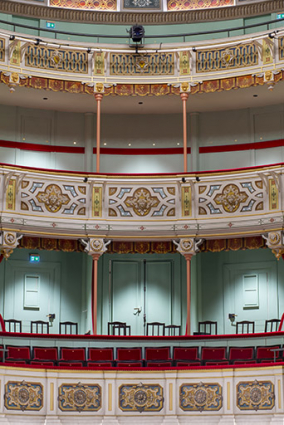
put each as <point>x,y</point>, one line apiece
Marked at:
<point>274,238</point>
<point>268,76</point>
<point>186,245</point>
<point>227,57</point>
<point>79,397</point>
<point>184,87</point>
<point>53,198</point>
<point>231,198</point>
<point>142,201</point>
<point>201,397</point>
<point>56,58</point>
<point>10,238</point>
<point>96,245</point>
<point>141,63</point>
<point>99,88</point>
<point>141,398</point>
<point>255,395</point>
<point>23,396</point>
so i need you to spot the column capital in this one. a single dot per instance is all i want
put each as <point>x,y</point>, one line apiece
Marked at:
<point>275,241</point>
<point>184,96</point>
<point>188,246</point>
<point>9,240</point>
<point>95,246</point>
<point>99,97</point>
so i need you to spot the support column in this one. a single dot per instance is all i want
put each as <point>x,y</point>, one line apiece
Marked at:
<point>184,97</point>
<point>194,141</point>
<point>89,137</point>
<point>188,248</point>
<point>98,97</point>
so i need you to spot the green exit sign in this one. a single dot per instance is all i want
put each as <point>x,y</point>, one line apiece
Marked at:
<point>50,25</point>
<point>34,258</point>
<point>280,15</point>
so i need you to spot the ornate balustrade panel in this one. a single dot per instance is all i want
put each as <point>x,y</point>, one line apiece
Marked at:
<point>243,203</point>
<point>43,64</point>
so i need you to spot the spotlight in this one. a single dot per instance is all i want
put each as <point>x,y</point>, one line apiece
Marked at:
<point>37,41</point>
<point>194,49</point>
<point>137,32</point>
<point>85,179</point>
<point>12,37</point>
<point>183,180</point>
<point>197,179</point>
<point>272,35</point>
<point>89,50</point>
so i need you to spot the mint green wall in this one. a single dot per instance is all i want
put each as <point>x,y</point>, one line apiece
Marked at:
<point>68,282</point>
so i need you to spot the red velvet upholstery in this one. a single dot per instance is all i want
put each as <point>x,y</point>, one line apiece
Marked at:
<point>70,364</point>
<point>45,353</point>
<point>18,353</point>
<point>266,353</point>
<point>72,354</point>
<point>159,353</point>
<point>17,362</point>
<point>1,353</point>
<point>100,364</point>
<point>43,363</point>
<point>213,353</point>
<point>208,363</point>
<point>185,353</point>
<point>129,364</point>
<point>184,363</point>
<point>100,354</point>
<point>244,361</point>
<point>159,364</point>
<point>241,353</point>
<point>129,353</point>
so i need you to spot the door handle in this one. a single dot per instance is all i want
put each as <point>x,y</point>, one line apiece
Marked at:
<point>138,310</point>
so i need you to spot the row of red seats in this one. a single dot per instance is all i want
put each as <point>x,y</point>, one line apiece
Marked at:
<point>154,356</point>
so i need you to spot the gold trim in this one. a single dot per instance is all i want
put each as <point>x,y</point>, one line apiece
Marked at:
<point>279,394</point>
<point>228,396</point>
<point>51,396</point>
<point>170,396</point>
<point>109,397</point>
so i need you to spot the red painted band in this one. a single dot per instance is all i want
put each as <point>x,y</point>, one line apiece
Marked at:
<point>242,146</point>
<point>41,148</point>
<point>130,151</point>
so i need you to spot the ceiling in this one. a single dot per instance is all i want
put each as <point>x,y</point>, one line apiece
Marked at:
<point>226,100</point>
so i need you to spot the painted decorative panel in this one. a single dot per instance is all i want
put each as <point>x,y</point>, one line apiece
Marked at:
<point>224,198</point>
<point>197,4</point>
<point>23,396</point>
<point>281,48</point>
<point>232,57</point>
<point>79,397</point>
<point>186,201</point>
<point>255,395</point>
<point>147,64</point>
<point>97,201</point>
<point>201,397</point>
<point>142,201</point>
<point>40,196</point>
<point>141,4</point>
<point>56,59</point>
<point>11,195</point>
<point>141,398</point>
<point>273,195</point>
<point>85,4</point>
<point>2,49</point>
<point>99,63</point>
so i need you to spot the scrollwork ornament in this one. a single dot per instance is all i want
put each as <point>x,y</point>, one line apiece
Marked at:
<point>188,245</point>
<point>95,246</point>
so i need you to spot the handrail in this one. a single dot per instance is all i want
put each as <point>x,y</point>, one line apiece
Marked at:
<point>183,35</point>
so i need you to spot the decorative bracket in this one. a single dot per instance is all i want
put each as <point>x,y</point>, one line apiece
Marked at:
<point>95,246</point>
<point>188,245</point>
<point>8,242</point>
<point>274,241</point>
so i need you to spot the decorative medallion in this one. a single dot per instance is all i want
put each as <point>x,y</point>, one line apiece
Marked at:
<point>273,195</point>
<point>141,62</point>
<point>142,201</point>
<point>56,58</point>
<point>11,195</point>
<point>96,245</point>
<point>141,4</point>
<point>274,238</point>
<point>10,239</point>
<point>23,396</point>
<point>231,198</point>
<point>53,198</point>
<point>79,397</point>
<point>141,398</point>
<point>186,245</point>
<point>227,57</point>
<point>186,201</point>
<point>255,395</point>
<point>97,201</point>
<point>202,397</point>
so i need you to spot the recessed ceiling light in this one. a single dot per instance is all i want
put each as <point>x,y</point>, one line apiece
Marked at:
<point>260,138</point>
<point>129,144</point>
<point>178,144</point>
<point>24,138</point>
<point>45,98</point>
<point>154,144</point>
<point>140,103</point>
<point>255,95</point>
<point>236,140</point>
<point>105,144</point>
<point>47,141</point>
<point>74,143</point>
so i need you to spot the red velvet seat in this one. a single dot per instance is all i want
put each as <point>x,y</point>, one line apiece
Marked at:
<point>244,361</point>
<point>185,353</point>
<point>158,364</point>
<point>70,364</point>
<point>129,354</point>
<point>17,362</point>
<point>18,353</point>
<point>159,353</point>
<point>265,353</point>
<point>184,363</point>
<point>220,363</point>
<point>100,354</point>
<point>130,364</point>
<point>70,354</point>
<point>42,363</point>
<point>45,353</point>
<point>100,364</point>
<point>241,353</point>
<point>213,354</point>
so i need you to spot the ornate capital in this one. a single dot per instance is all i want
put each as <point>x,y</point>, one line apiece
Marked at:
<point>275,241</point>
<point>184,96</point>
<point>8,242</point>
<point>188,246</point>
<point>95,246</point>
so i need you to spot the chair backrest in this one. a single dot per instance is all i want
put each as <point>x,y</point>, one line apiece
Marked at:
<point>40,327</point>
<point>272,325</point>
<point>118,328</point>
<point>155,328</point>
<point>245,327</point>
<point>13,325</point>
<point>172,330</point>
<point>207,327</point>
<point>68,328</point>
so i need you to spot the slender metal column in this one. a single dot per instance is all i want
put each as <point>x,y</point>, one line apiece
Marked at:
<point>188,293</point>
<point>98,97</point>
<point>184,97</point>
<point>95,292</point>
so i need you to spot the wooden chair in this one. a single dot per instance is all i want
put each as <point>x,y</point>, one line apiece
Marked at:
<point>13,325</point>
<point>118,328</point>
<point>272,325</point>
<point>245,326</point>
<point>155,329</point>
<point>207,327</point>
<point>39,327</point>
<point>68,328</point>
<point>173,330</point>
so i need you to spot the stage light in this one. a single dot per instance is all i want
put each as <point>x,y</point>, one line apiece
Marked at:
<point>137,32</point>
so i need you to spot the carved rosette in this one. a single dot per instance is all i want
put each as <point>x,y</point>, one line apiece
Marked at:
<point>53,198</point>
<point>8,242</point>
<point>141,398</point>
<point>79,397</point>
<point>95,246</point>
<point>201,397</point>
<point>255,395</point>
<point>188,246</point>
<point>274,241</point>
<point>23,396</point>
<point>231,198</point>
